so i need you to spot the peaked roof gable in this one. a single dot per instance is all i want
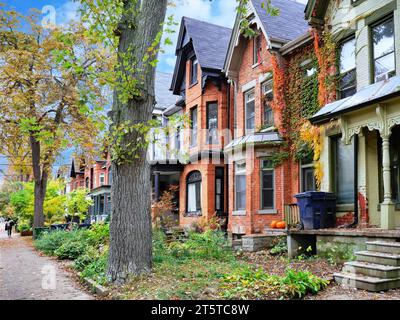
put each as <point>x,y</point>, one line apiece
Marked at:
<point>209,42</point>
<point>286,26</point>
<point>278,30</point>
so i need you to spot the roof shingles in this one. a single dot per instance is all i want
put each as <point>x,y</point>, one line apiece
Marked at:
<point>210,42</point>
<point>288,25</point>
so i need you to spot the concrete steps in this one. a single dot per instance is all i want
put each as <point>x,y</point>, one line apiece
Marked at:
<point>384,246</point>
<point>376,269</point>
<point>379,258</point>
<point>372,269</point>
<point>366,283</point>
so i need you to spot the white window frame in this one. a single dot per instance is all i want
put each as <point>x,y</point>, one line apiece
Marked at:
<point>240,172</point>
<point>262,170</point>
<point>102,176</point>
<point>249,96</point>
<point>265,92</point>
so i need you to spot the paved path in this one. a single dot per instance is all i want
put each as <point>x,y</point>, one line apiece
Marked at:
<point>25,275</point>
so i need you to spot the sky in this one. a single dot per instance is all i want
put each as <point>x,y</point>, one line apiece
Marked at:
<point>221,12</point>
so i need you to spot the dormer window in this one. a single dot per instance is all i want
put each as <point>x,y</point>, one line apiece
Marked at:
<point>383,49</point>
<point>193,70</point>
<point>256,49</point>
<point>347,68</point>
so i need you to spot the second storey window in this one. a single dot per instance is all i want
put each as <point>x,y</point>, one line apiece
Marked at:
<point>240,186</point>
<point>347,68</point>
<point>267,185</point>
<point>383,49</point>
<point>212,123</point>
<point>193,127</point>
<point>268,114</point>
<point>193,70</point>
<point>102,179</point>
<point>249,110</point>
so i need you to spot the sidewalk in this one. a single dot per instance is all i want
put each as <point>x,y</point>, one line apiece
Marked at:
<point>25,275</point>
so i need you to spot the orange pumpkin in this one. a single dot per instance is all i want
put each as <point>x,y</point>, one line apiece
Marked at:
<point>281,225</point>
<point>273,224</point>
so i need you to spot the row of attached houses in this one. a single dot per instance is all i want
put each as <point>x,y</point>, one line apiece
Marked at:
<point>242,157</point>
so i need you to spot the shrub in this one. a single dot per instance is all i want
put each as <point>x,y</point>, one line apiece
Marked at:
<point>247,283</point>
<point>90,255</point>
<point>97,269</point>
<point>99,233</point>
<point>51,241</point>
<point>61,243</point>
<point>71,249</point>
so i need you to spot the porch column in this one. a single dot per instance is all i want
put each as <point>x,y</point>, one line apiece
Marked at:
<point>157,186</point>
<point>387,207</point>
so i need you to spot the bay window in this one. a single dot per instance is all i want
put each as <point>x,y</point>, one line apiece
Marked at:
<point>193,193</point>
<point>240,186</point>
<point>383,49</point>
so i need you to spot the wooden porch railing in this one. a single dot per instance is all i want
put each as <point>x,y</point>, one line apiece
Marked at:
<point>292,215</point>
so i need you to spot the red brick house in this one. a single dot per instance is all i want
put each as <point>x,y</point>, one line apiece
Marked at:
<point>259,185</point>
<point>205,98</point>
<point>96,177</point>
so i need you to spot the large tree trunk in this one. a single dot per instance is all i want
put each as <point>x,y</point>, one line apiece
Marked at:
<point>40,186</point>
<point>130,228</point>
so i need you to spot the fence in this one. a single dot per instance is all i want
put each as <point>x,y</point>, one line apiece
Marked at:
<point>292,215</point>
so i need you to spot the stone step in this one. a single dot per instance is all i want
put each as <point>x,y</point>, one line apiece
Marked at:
<point>387,259</point>
<point>371,269</point>
<point>366,283</point>
<point>384,246</point>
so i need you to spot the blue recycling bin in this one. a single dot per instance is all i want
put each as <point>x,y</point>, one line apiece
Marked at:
<point>317,209</point>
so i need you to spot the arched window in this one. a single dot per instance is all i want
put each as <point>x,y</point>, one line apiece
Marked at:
<point>193,192</point>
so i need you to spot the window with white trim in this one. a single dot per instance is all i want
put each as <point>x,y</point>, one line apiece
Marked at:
<point>268,113</point>
<point>249,99</point>
<point>347,68</point>
<point>193,193</point>
<point>240,186</point>
<point>267,185</point>
<point>382,35</point>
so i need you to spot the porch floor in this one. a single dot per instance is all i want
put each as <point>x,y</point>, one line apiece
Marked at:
<point>358,232</point>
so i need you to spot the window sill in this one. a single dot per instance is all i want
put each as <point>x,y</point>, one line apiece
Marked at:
<point>271,128</point>
<point>344,207</point>
<point>239,213</point>
<point>268,211</point>
<point>194,214</point>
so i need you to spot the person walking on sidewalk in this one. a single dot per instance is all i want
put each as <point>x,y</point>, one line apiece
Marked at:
<point>9,226</point>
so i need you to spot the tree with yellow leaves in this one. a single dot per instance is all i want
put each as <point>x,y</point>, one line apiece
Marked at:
<point>50,94</point>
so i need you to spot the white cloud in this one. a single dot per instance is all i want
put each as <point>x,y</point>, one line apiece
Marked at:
<point>221,12</point>
<point>67,12</point>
